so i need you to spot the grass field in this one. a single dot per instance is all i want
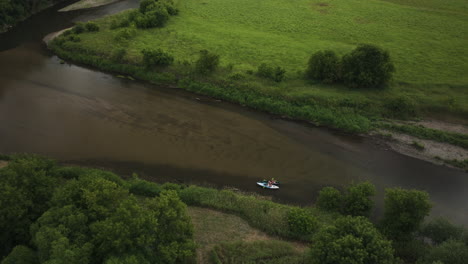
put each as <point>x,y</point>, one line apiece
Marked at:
<point>427,40</point>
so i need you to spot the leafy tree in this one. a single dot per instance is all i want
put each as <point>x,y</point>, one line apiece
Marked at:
<point>358,200</point>
<point>26,186</point>
<point>404,212</point>
<point>207,62</point>
<point>440,230</point>
<point>157,57</point>
<point>352,240</point>
<point>274,73</point>
<point>324,66</point>
<point>152,15</point>
<point>367,66</point>
<point>330,199</point>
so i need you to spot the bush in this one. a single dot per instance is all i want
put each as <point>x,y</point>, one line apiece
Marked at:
<point>301,222</point>
<point>92,27</point>
<point>404,212</point>
<point>156,16</point>
<point>367,66</point>
<point>157,57</point>
<point>79,28</point>
<point>144,188</point>
<point>330,199</point>
<point>324,66</point>
<point>411,250</point>
<point>440,230</point>
<point>358,200</point>
<point>273,73</point>
<point>207,62</point>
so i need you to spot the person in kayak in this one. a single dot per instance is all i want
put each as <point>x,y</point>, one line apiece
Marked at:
<point>270,183</point>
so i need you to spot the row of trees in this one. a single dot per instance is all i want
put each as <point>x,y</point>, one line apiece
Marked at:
<point>46,217</point>
<point>367,66</point>
<point>353,239</point>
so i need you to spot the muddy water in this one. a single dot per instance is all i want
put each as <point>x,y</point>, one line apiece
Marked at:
<point>87,117</point>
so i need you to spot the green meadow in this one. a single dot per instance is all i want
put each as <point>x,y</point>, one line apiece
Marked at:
<point>427,41</point>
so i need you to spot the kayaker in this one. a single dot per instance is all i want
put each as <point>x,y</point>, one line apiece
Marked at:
<point>270,183</point>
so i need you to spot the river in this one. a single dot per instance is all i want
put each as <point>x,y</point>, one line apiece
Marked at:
<point>83,116</point>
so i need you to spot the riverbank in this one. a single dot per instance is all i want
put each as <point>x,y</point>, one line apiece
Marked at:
<point>83,4</point>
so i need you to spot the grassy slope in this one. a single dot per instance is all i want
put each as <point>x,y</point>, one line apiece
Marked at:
<point>427,40</point>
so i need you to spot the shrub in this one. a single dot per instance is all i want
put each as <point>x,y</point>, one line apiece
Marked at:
<point>144,188</point>
<point>91,27</point>
<point>411,250</point>
<point>367,66</point>
<point>74,38</point>
<point>207,62</point>
<point>324,66</point>
<point>301,222</point>
<point>358,200</point>
<point>404,212</point>
<point>157,16</point>
<point>78,28</point>
<point>157,57</point>
<point>119,23</point>
<point>440,230</point>
<point>330,199</point>
<point>273,73</point>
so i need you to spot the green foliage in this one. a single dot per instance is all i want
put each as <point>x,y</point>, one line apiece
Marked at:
<point>152,58</point>
<point>269,72</point>
<point>411,250</point>
<point>400,107</point>
<point>144,188</point>
<point>404,212</point>
<point>450,251</point>
<point>70,172</point>
<point>351,240</point>
<point>92,27</point>
<point>26,186</point>
<point>358,200</point>
<point>440,230</point>
<point>125,34</point>
<point>330,199</point>
<point>368,66</point>
<point>418,145</point>
<point>301,222</point>
<point>207,62</point>
<point>324,66</point>
<point>152,14</point>
<point>267,252</point>
<point>21,255</point>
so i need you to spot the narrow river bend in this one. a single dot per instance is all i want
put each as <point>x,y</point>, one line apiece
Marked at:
<point>83,116</point>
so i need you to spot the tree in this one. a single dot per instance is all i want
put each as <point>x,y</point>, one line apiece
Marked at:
<point>324,66</point>
<point>352,240</point>
<point>301,223</point>
<point>367,66</point>
<point>330,199</point>
<point>358,200</point>
<point>449,252</point>
<point>404,212</point>
<point>21,254</point>
<point>26,186</point>
<point>157,57</point>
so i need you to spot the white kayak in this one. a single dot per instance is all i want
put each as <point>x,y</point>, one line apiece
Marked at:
<point>265,185</point>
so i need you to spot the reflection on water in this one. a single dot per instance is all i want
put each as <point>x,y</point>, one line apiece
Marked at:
<point>75,114</point>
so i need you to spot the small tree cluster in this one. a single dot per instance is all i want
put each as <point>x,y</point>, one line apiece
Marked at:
<point>440,230</point>
<point>91,27</point>
<point>207,62</point>
<point>269,72</point>
<point>152,58</point>
<point>367,66</point>
<point>357,201</point>
<point>153,13</point>
<point>85,27</point>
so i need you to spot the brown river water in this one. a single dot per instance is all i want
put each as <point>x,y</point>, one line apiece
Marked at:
<point>83,116</point>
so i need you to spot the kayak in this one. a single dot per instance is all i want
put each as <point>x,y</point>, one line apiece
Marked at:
<point>275,183</point>
<point>265,185</point>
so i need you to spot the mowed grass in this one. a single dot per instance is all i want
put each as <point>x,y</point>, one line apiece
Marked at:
<point>427,40</point>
